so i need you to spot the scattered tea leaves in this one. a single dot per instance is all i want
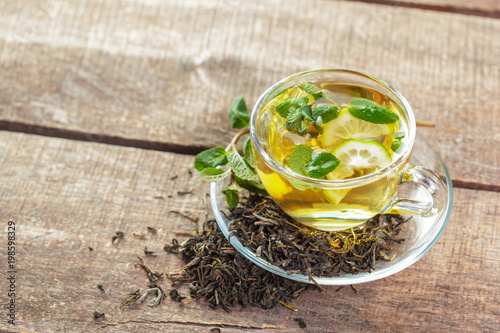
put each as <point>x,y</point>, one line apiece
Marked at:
<point>301,322</point>
<point>174,248</point>
<point>136,296</point>
<point>98,315</point>
<point>118,235</point>
<point>175,296</point>
<point>154,288</point>
<point>131,298</point>
<point>354,289</point>
<point>148,253</point>
<point>187,215</point>
<point>153,276</point>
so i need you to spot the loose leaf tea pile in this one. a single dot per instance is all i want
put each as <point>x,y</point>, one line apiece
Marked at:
<point>223,277</point>
<point>265,229</point>
<point>216,272</point>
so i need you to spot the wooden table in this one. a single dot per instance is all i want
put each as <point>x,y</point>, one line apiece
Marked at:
<point>103,104</point>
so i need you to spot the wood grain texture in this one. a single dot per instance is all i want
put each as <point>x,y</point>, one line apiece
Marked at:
<point>487,8</point>
<point>68,195</point>
<point>133,73</point>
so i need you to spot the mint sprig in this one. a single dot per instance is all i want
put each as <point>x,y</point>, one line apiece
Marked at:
<point>372,112</point>
<point>299,111</point>
<point>321,165</point>
<point>291,104</point>
<point>324,113</point>
<point>210,158</point>
<point>311,90</point>
<point>304,161</point>
<point>239,167</point>
<point>238,113</point>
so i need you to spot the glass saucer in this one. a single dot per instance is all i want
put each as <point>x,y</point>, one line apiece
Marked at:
<point>420,233</point>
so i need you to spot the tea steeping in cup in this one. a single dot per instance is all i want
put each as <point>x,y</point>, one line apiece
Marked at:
<point>332,147</point>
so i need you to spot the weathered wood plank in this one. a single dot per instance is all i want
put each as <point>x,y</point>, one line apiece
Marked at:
<point>488,8</point>
<point>66,196</point>
<point>133,73</point>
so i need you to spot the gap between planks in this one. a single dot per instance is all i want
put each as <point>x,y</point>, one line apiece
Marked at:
<point>493,13</point>
<point>13,126</point>
<point>156,145</point>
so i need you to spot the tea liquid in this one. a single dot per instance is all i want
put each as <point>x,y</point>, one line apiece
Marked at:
<point>337,207</point>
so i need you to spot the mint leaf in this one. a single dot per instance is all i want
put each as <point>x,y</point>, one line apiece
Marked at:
<point>363,102</point>
<point>299,158</point>
<point>398,135</point>
<point>326,112</point>
<point>232,196</point>
<point>311,90</point>
<point>374,114</point>
<point>305,110</point>
<point>238,113</point>
<point>293,119</point>
<point>248,152</point>
<point>214,175</point>
<point>212,158</point>
<point>321,165</point>
<point>395,145</point>
<point>251,186</point>
<point>283,107</point>
<point>240,166</point>
<point>302,130</point>
<point>308,88</point>
<point>293,102</point>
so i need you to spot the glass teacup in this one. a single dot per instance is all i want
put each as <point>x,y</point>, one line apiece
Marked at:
<point>356,190</point>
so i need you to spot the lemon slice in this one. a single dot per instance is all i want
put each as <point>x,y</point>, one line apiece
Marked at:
<point>357,157</point>
<point>346,126</point>
<point>361,156</point>
<point>274,185</point>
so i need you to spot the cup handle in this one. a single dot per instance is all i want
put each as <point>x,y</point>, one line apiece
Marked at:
<point>433,184</point>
